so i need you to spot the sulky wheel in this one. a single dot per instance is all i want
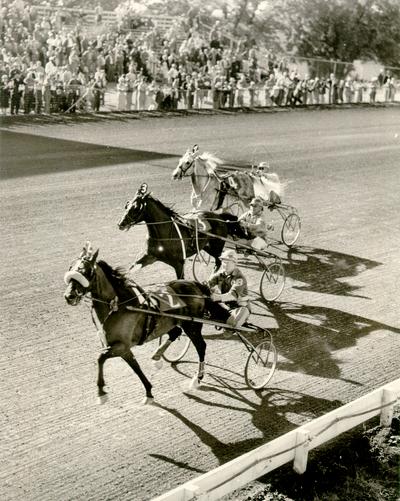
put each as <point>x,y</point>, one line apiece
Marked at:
<point>203,266</point>
<point>291,229</point>
<point>177,349</point>
<point>272,280</point>
<point>261,364</point>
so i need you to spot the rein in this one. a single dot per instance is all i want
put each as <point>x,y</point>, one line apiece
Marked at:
<point>146,303</point>
<point>180,238</point>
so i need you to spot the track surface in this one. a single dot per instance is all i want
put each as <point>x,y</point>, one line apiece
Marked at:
<point>336,326</point>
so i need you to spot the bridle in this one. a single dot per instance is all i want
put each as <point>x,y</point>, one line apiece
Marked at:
<point>129,219</point>
<point>184,171</point>
<point>74,274</point>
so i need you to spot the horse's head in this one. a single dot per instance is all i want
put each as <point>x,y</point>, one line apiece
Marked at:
<point>80,275</point>
<point>186,163</point>
<point>134,209</point>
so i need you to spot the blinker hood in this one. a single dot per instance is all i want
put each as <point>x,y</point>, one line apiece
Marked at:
<point>75,275</point>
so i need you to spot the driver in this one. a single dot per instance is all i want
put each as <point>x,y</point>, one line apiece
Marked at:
<point>230,302</point>
<point>254,224</point>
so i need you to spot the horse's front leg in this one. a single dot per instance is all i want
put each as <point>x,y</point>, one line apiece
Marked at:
<point>145,260</point>
<point>102,395</point>
<point>132,362</point>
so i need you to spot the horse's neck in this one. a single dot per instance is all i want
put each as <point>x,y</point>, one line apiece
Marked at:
<point>102,294</point>
<point>202,177</point>
<point>155,216</point>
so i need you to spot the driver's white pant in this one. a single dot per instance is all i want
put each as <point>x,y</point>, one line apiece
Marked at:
<point>259,243</point>
<point>238,316</point>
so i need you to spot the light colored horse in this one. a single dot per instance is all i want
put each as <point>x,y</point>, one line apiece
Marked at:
<point>210,184</point>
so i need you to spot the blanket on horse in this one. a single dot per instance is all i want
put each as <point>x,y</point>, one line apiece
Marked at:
<point>197,221</point>
<point>164,298</point>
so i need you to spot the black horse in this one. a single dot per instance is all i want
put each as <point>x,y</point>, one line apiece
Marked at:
<point>173,238</point>
<point>124,320</point>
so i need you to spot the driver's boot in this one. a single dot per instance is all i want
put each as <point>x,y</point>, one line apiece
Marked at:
<point>227,333</point>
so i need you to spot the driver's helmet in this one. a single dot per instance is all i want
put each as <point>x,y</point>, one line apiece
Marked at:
<point>263,166</point>
<point>257,202</point>
<point>229,255</point>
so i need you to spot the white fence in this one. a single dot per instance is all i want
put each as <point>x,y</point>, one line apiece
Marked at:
<point>108,17</point>
<point>292,446</point>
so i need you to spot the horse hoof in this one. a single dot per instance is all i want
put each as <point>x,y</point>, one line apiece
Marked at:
<point>102,399</point>
<point>158,364</point>
<point>194,383</point>
<point>148,401</point>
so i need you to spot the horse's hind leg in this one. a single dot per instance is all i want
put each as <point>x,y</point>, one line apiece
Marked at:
<point>132,362</point>
<point>172,335</point>
<point>193,331</point>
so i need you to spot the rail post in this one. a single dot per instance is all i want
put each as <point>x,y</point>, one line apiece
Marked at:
<point>387,411</point>
<point>192,490</point>
<point>301,451</point>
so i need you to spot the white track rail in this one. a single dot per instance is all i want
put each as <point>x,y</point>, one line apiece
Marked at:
<point>292,446</point>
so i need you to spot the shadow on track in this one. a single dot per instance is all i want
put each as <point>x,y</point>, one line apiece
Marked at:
<point>270,415</point>
<point>307,336</point>
<point>320,269</point>
<point>28,155</point>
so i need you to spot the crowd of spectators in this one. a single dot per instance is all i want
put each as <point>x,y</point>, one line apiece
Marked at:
<point>48,65</point>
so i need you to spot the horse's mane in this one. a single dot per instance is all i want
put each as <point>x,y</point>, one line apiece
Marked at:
<point>169,210</point>
<point>119,281</point>
<point>211,159</point>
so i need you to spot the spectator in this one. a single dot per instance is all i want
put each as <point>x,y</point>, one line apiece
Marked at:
<point>333,89</point>
<point>38,92</point>
<point>74,88</point>
<point>17,87</point>
<point>4,94</point>
<point>322,88</point>
<point>97,91</point>
<point>241,87</point>
<point>372,90</point>
<point>348,89</point>
<point>141,93</point>
<point>122,88</point>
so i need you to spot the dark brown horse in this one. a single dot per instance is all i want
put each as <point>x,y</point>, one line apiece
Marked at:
<point>119,327</point>
<point>173,238</point>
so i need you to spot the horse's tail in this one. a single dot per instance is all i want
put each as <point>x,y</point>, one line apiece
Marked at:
<point>204,289</point>
<point>271,182</point>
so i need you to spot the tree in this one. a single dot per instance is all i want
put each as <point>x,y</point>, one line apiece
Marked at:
<point>344,29</point>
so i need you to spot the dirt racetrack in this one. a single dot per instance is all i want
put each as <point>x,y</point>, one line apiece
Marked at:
<point>336,326</point>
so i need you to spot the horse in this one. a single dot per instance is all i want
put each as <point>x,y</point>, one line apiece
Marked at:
<point>211,186</point>
<point>173,238</point>
<point>117,304</point>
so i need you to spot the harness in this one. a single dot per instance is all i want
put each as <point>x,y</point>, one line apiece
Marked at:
<point>114,305</point>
